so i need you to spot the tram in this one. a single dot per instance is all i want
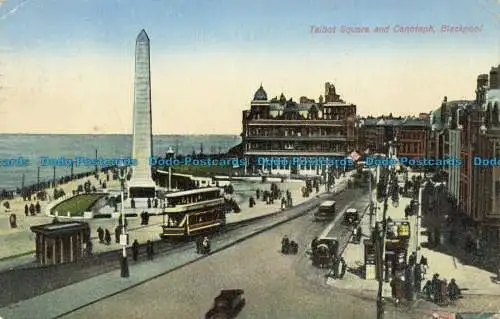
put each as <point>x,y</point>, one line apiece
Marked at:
<point>193,212</point>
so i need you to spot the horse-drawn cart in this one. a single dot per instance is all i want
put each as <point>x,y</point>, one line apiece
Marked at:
<point>324,250</point>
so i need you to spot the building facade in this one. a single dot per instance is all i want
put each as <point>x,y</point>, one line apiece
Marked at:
<point>280,128</point>
<point>468,130</point>
<point>486,208</point>
<point>409,134</point>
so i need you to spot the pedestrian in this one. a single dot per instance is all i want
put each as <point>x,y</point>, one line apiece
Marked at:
<point>424,264</point>
<point>397,285</point>
<point>38,208</point>
<point>412,259</point>
<point>100,234</point>
<point>118,231</point>
<point>32,209</point>
<point>285,245</point>
<point>107,237</point>
<point>427,290</point>
<point>343,268</point>
<point>436,287</point>
<point>146,218</point>
<point>149,249</point>
<point>13,220</point>
<point>198,245</point>
<point>314,245</point>
<point>418,278</point>
<point>454,291</point>
<point>143,222</point>
<point>336,264</point>
<point>443,292</point>
<point>206,245</point>
<point>89,247</point>
<point>135,250</point>
<point>26,210</point>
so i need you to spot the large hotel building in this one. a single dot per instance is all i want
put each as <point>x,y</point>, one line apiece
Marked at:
<point>283,128</point>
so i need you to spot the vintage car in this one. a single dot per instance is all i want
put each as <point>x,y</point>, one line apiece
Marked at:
<point>326,211</point>
<point>227,304</point>
<point>351,217</point>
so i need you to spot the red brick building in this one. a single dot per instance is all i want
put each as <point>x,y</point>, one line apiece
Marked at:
<point>410,133</point>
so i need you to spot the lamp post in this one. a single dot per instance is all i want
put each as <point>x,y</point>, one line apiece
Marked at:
<point>418,221</point>
<point>381,233</point>
<point>170,153</point>
<point>123,237</point>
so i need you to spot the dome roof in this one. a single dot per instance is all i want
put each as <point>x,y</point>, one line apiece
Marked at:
<point>260,95</point>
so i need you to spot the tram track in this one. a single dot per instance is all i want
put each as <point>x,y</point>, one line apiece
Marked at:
<point>21,284</point>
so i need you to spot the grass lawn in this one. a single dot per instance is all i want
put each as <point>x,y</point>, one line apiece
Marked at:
<point>77,205</point>
<point>202,171</point>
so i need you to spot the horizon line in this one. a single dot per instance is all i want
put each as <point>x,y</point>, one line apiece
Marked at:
<point>104,133</point>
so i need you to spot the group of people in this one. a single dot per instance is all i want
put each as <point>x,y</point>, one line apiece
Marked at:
<point>440,291</point>
<point>270,196</point>
<point>104,236</point>
<point>289,246</point>
<point>407,285</point>
<point>32,209</point>
<point>436,290</point>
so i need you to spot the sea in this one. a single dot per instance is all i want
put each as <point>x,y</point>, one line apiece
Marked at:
<point>35,146</point>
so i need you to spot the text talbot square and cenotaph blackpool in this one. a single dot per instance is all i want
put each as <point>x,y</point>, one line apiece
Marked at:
<point>398,210</point>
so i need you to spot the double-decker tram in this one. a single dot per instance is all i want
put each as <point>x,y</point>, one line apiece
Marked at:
<point>193,212</point>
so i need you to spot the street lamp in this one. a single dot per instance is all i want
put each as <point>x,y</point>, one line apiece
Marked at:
<point>170,154</point>
<point>123,237</point>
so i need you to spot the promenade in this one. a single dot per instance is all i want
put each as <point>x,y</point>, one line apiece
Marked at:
<point>476,281</point>
<point>56,303</point>
<point>19,245</point>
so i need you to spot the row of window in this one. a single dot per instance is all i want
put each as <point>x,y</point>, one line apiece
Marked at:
<point>317,147</point>
<point>280,132</point>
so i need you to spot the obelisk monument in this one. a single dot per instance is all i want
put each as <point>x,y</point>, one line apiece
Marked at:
<point>141,184</point>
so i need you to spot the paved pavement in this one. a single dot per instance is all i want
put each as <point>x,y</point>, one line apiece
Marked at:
<point>63,300</point>
<point>475,280</point>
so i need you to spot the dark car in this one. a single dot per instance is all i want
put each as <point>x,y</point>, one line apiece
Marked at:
<point>351,217</point>
<point>227,304</point>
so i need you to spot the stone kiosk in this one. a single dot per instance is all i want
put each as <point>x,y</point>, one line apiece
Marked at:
<point>60,242</point>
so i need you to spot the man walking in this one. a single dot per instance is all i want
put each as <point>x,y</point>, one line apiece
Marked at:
<point>343,268</point>
<point>100,233</point>
<point>135,250</point>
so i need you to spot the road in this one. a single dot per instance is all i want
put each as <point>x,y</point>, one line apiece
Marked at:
<point>276,286</point>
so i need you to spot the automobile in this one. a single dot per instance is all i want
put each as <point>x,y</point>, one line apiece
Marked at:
<point>326,211</point>
<point>227,304</point>
<point>351,217</point>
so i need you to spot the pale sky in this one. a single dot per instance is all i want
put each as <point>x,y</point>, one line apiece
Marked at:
<point>67,66</point>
